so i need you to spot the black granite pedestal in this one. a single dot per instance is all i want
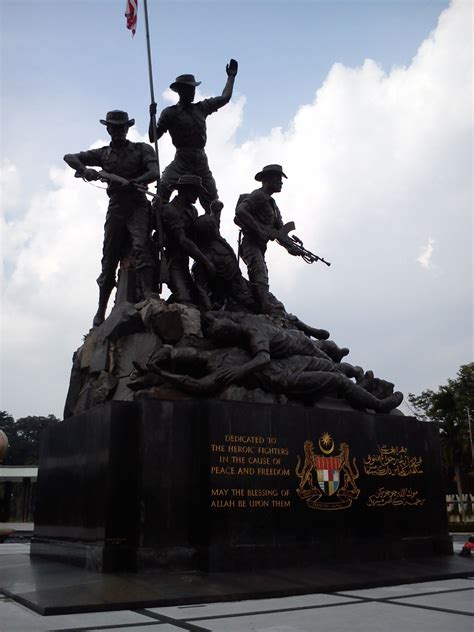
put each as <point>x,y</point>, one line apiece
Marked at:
<point>211,485</point>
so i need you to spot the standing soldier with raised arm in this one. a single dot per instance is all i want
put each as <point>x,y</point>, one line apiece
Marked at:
<point>186,123</point>
<point>128,213</point>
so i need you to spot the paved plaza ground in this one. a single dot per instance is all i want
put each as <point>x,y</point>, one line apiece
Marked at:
<point>435,606</point>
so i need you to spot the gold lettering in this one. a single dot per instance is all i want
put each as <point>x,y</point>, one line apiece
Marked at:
<point>259,504</point>
<point>243,439</point>
<point>249,471</point>
<point>217,447</point>
<point>392,461</point>
<point>262,492</point>
<point>217,469</point>
<point>282,504</point>
<point>249,456</point>
<point>395,497</point>
<point>273,471</point>
<point>238,460</point>
<point>241,449</point>
<point>219,492</point>
<point>222,504</point>
<point>273,451</point>
<point>255,460</point>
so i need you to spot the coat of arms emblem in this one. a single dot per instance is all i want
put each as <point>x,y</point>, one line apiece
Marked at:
<point>327,480</point>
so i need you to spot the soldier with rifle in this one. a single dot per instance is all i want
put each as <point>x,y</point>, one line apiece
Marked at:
<point>128,214</point>
<point>260,220</point>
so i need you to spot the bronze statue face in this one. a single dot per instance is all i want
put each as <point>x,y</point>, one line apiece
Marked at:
<point>189,192</point>
<point>274,181</point>
<point>118,133</point>
<point>186,93</point>
<point>205,229</point>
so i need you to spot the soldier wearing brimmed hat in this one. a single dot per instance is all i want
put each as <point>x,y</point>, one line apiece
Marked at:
<point>186,123</point>
<point>128,213</point>
<point>178,219</point>
<point>255,212</point>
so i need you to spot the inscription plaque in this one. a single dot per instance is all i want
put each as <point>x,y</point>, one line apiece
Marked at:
<point>242,461</point>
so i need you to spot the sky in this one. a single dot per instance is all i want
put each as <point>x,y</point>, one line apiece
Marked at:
<point>368,107</point>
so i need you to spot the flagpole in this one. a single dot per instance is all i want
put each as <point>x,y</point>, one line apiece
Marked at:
<point>157,206</point>
<point>152,92</point>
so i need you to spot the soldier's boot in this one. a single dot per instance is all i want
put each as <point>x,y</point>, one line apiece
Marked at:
<point>352,371</point>
<point>334,351</point>
<point>104,295</point>
<point>314,332</point>
<point>146,279</point>
<point>359,398</point>
<point>264,304</point>
<point>389,403</point>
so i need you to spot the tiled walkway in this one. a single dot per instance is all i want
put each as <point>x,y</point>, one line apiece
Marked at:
<point>443,606</point>
<point>439,606</point>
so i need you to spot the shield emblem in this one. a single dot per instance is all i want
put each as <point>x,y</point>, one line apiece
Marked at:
<point>328,473</point>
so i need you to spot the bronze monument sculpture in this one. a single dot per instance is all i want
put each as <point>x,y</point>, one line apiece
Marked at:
<point>193,412</point>
<point>128,214</point>
<point>212,305</point>
<point>275,359</point>
<point>274,353</point>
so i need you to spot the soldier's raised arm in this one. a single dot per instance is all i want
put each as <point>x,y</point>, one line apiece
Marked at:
<point>231,69</point>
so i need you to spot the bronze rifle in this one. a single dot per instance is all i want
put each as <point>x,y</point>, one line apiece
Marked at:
<point>292,243</point>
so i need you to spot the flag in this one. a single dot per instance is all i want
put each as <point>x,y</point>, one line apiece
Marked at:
<point>131,10</point>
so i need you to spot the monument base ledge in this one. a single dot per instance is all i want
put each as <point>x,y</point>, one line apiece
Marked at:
<point>214,485</point>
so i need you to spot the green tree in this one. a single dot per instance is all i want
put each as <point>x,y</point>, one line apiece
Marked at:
<point>24,437</point>
<point>452,405</point>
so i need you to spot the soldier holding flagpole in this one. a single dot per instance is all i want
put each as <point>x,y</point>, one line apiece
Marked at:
<point>186,123</point>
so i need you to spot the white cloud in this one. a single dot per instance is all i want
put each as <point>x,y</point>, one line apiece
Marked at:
<point>425,255</point>
<point>375,163</point>
<point>9,185</point>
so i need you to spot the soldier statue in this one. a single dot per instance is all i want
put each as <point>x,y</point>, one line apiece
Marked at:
<point>257,214</point>
<point>186,123</point>
<point>128,215</point>
<point>277,360</point>
<point>178,220</point>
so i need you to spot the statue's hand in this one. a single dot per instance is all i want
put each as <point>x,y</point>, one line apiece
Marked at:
<point>152,109</point>
<point>228,375</point>
<point>161,356</point>
<point>90,174</point>
<point>216,207</point>
<point>232,68</point>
